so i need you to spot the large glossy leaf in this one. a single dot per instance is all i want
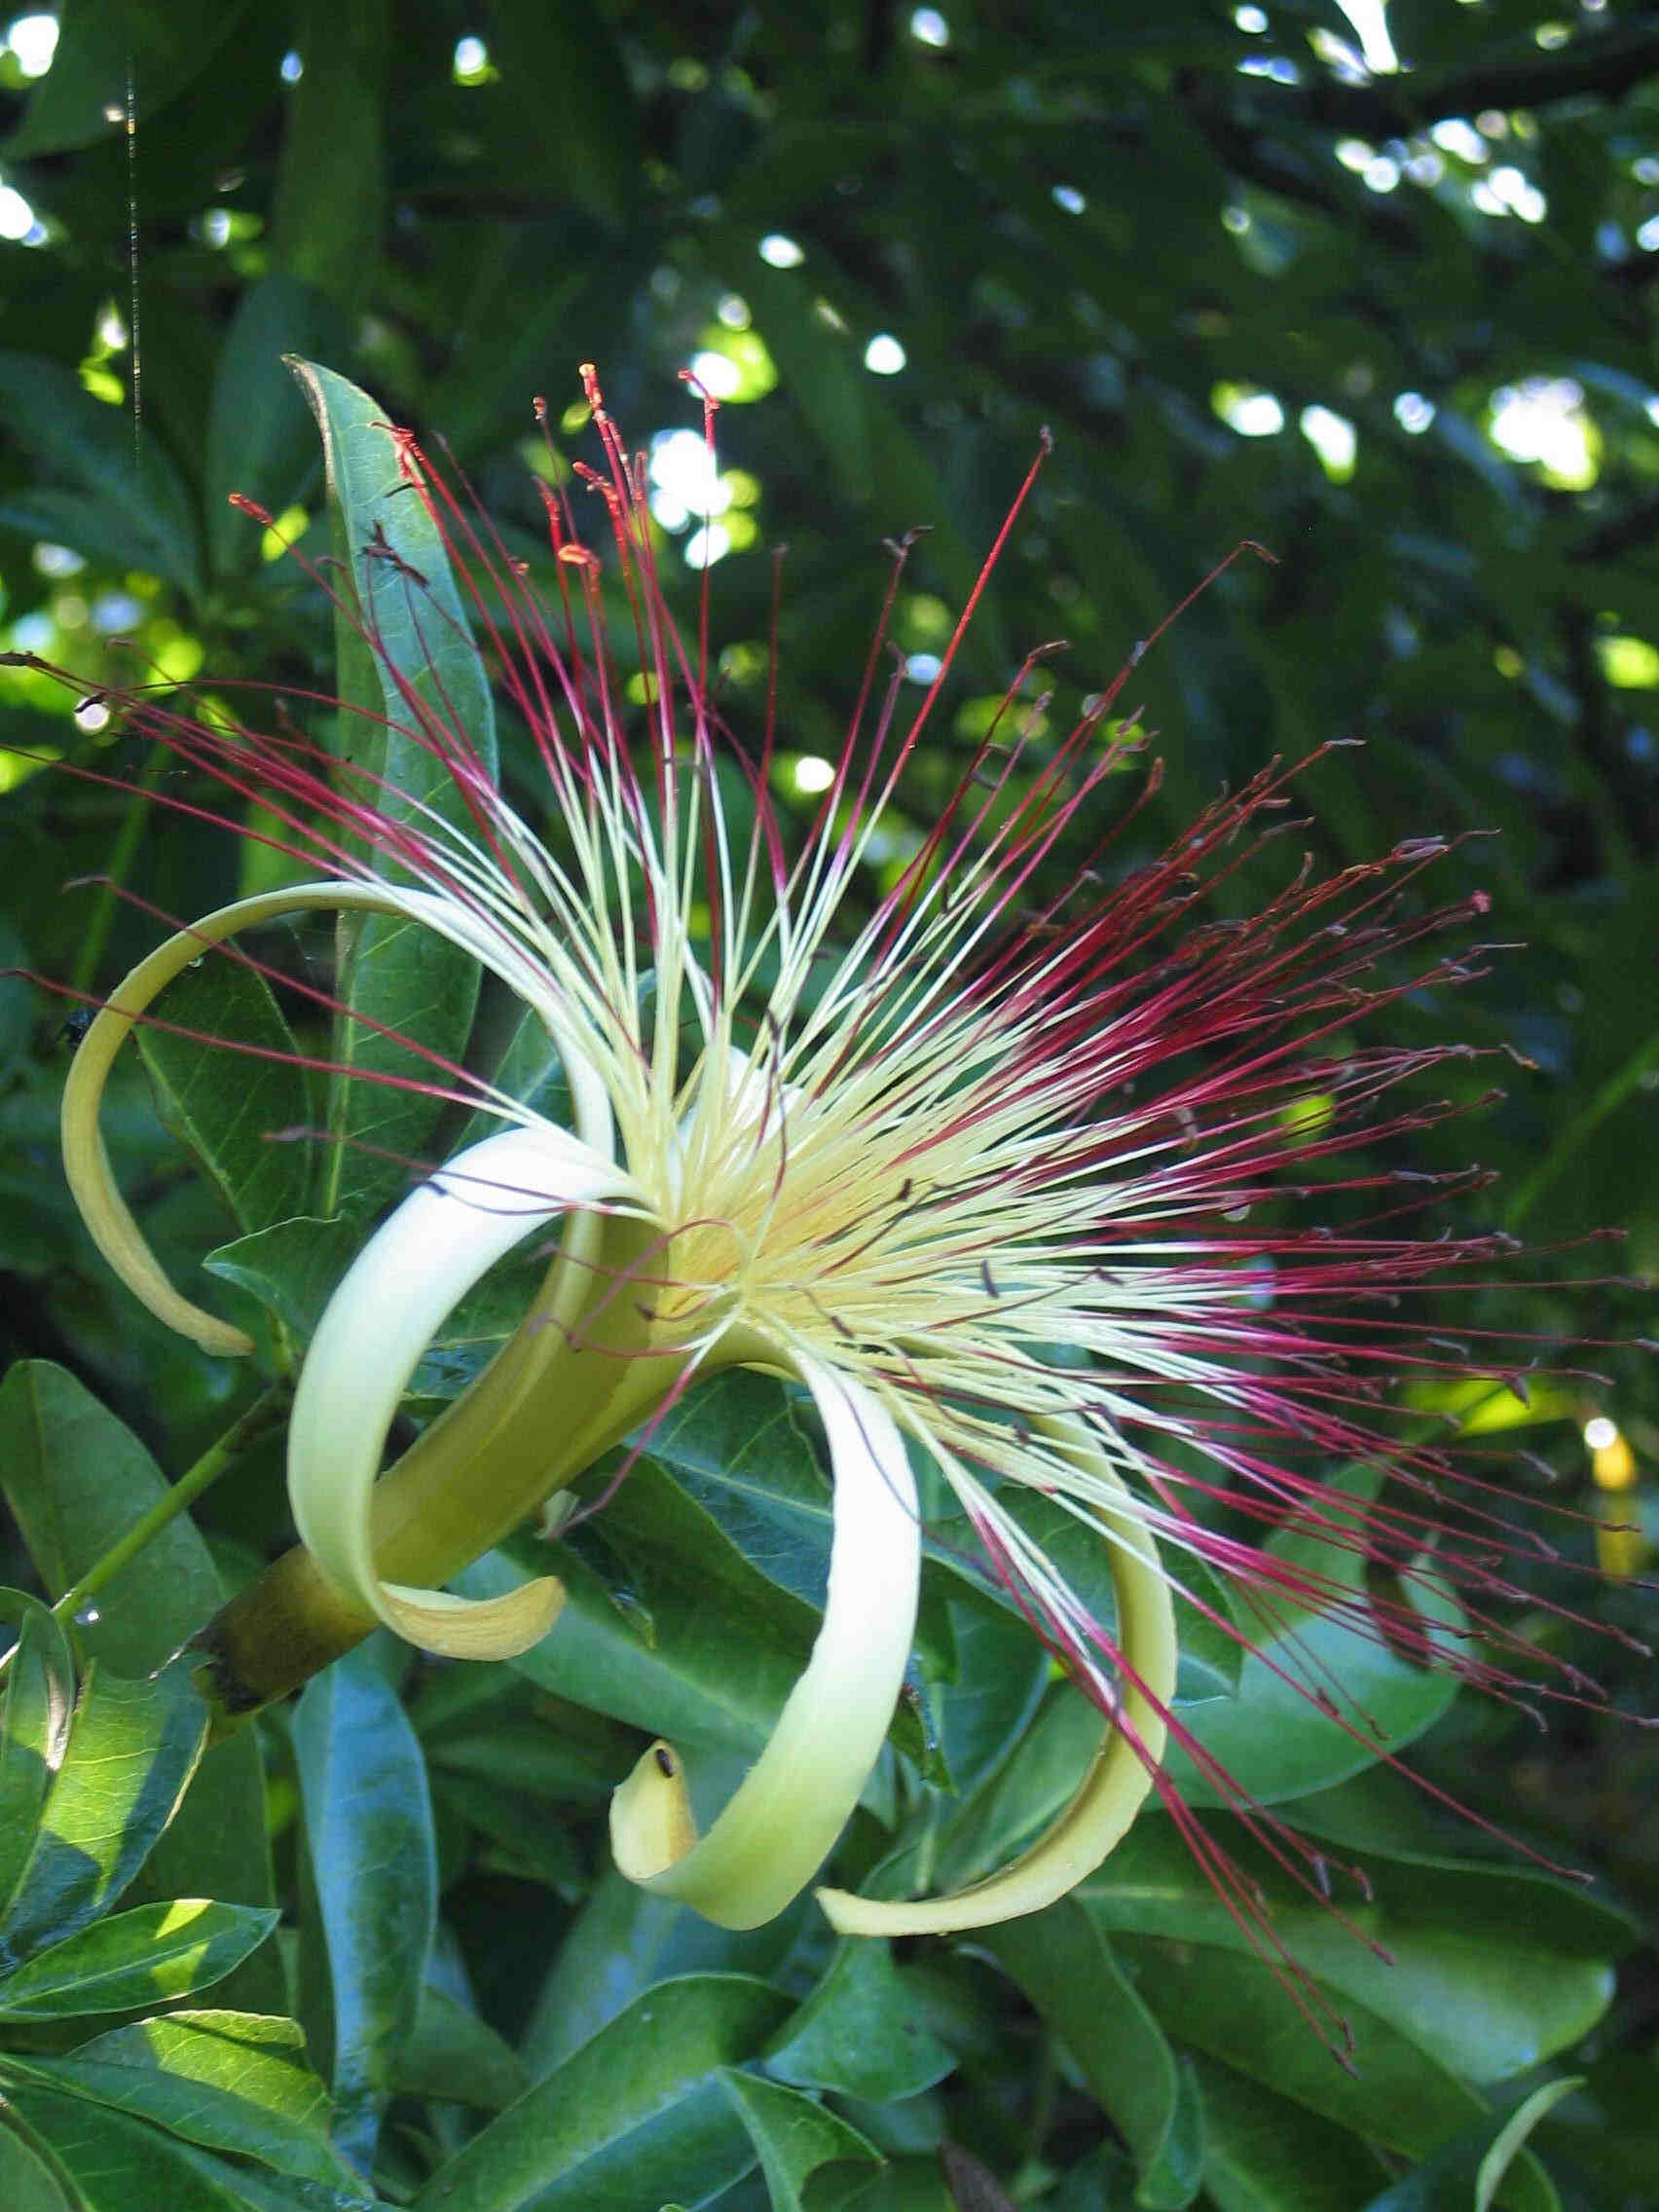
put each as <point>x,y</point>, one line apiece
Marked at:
<point>132,1748</point>
<point>637,2116</point>
<point>37,1696</point>
<point>409,671</point>
<point>1488,2000</point>
<point>862,2033</point>
<point>77,1480</point>
<point>234,2082</point>
<point>681,1636</point>
<point>29,2182</point>
<point>1211,1658</point>
<point>978,1709</point>
<point>1383,1825</point>
<point>902,2185</point>
<point>141,507</point>
<point>1236,2009</point>
<point>122,2164</point>
<point>242,1113</point>
<point>622,1942</point>
<point>293,1266</point>
<point>1264,2153</point>
<point>793,2136</point>
<point>150,1955</point>
<point>1471,2172</point>
<point>741,1446</point>
<point>454,2056</point>
<point>1066,1969</point>
<point>1278,1737</point>
<point>369,1834</point>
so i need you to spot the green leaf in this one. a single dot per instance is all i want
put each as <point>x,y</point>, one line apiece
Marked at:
<point>37,1697</point>
<point>1272,1739</point>
<point>902,2185</point>
<point>682,1636</point>
<point>234,2082</point>
<point>1397,2094</point>
<point>132,1748</point>
<point>1023,1793</point>
<point>369,1831</point>
<point>1064,1966</point>
<point>233,1108</point>
<point>327,223</point>
<point>1103,2182</point>
<point>158,47</point>
<point>979,1711</point>
<point>142,508</point>
<point>28,2181</point>
<point>77,1480</point>
<point>741,1446</point>
<point>560,63</point>
<point>102,533</point>
<point>624,1940</point>
<point>29,2177</point>
<point>793,2136</point>
<point>1510,2137</point>
<point>486,1721</point>
<point>293,1266</point>
<point>260,439</point>
<point>1387,1827</point>
<point>515,1833</point>
<point>415,694</point>
<point>1471,2171</point>
<point>120,2164</point>
<point>1609,2129</point>
<point>861,2033</point>
<point>1264,2153</point>
<point>454,2055</point>
<point>634,2116</point>
<point>150,1955</point>
<point>1211,1658</point>
<point>1486,2001</point>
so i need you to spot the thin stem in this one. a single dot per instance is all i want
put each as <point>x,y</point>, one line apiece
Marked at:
<point>259,1417</point>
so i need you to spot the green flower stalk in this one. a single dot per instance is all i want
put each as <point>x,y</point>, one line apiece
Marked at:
<point>978,1155</point>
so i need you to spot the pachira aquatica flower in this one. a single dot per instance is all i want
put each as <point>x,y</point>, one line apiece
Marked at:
<point>993,1133</point>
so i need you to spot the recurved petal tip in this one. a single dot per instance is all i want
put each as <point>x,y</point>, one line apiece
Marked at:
<point>772,1836</point>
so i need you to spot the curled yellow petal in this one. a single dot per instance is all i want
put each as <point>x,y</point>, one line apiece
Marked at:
<point>652,1821</point>
<point>430,1252</point>
<point>1117,1780</point>
<point>86,1160</point>
<point>788,1809</point>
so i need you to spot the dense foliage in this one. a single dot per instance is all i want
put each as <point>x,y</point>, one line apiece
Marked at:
<point>1393,325</point>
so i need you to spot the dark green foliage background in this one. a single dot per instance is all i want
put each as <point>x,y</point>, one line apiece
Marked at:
<point>457,248</point>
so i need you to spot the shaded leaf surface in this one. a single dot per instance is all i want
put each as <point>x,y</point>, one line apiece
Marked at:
<point>636,2114</point>
<point>368,1828</point>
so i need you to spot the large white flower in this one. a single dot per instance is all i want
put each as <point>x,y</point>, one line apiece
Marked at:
<point>969,1158</point>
